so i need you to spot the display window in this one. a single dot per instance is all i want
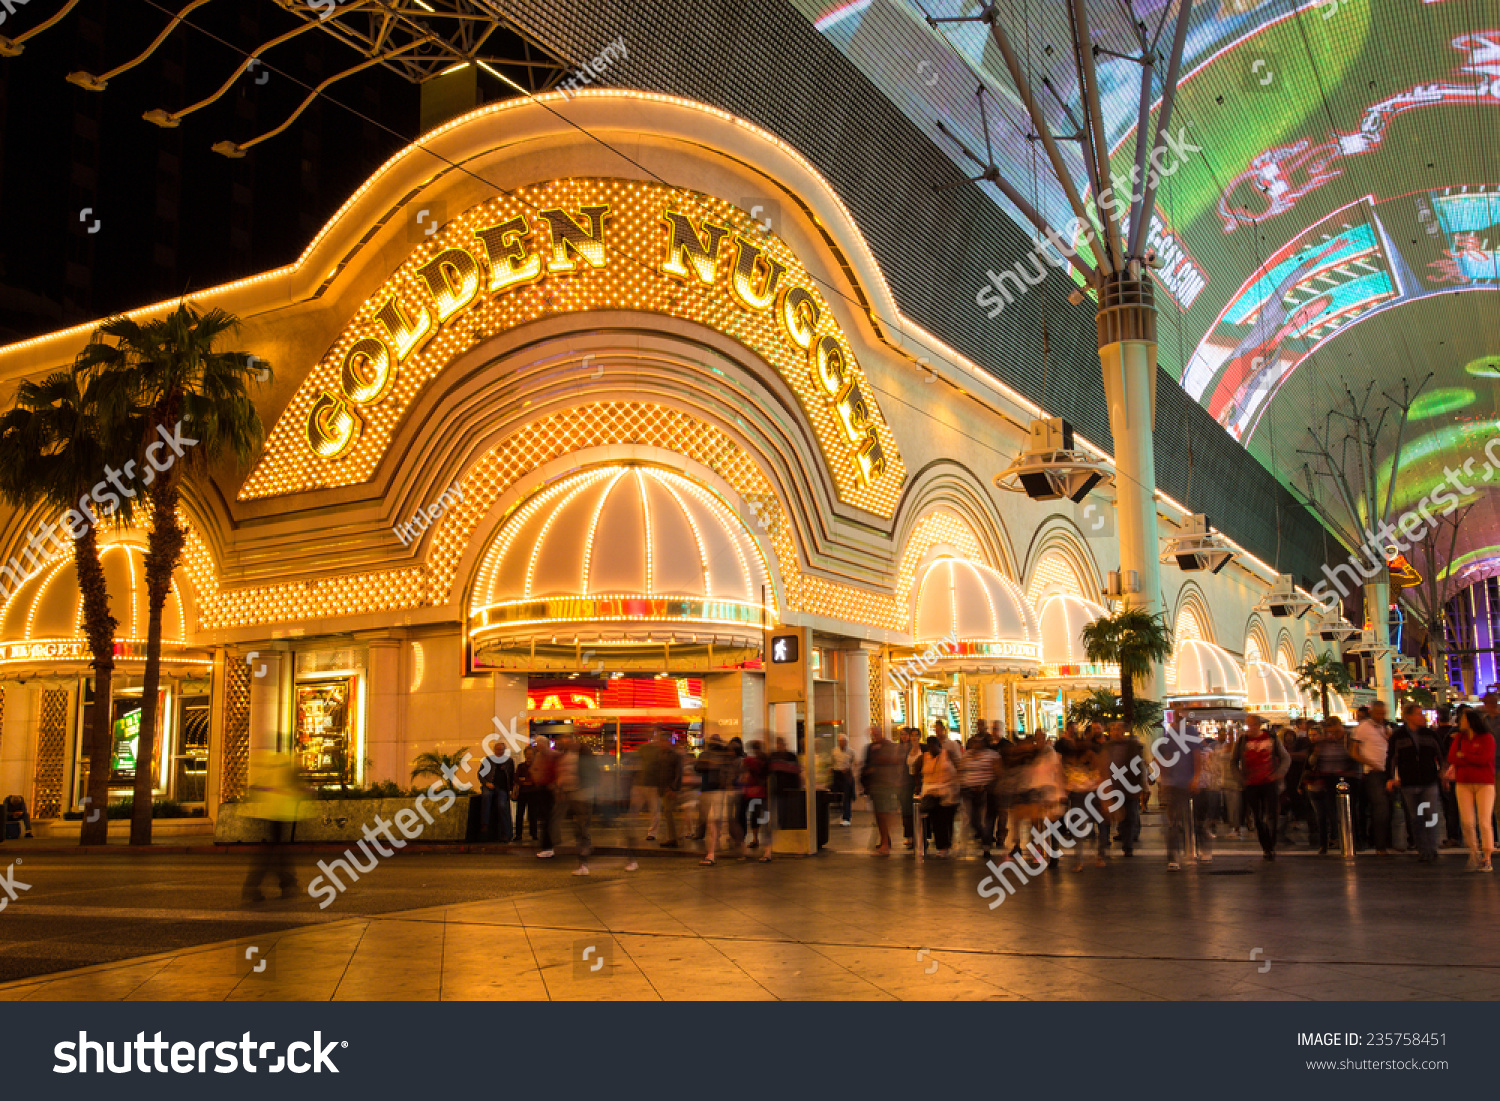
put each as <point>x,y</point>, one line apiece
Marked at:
<point>325,730</point>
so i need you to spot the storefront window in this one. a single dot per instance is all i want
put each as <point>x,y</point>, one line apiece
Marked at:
<point>325,732</point>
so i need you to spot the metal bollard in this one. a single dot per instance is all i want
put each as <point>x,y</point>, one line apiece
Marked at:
<point>1346,821</point>
<point>1190,847</point>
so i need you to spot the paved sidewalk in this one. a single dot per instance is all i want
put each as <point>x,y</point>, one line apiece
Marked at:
<point>841,927</point>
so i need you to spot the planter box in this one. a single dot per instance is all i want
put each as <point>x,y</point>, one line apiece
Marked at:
<point>120,827</point>
<point>334,820</point>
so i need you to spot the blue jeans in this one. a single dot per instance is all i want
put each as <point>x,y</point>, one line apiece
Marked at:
<point>494,814</point>
<point>1421,803</point>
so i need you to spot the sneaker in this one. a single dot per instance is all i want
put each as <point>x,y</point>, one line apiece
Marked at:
<point>1173,866</point>
<point>651,837</point>
<point>632,866</point>
<point>846,822</point>
<point>545,854</point>
<point>1486,867</point>
<point>582,869</point>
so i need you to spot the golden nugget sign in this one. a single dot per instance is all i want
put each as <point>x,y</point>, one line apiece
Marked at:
<point>575,246</point>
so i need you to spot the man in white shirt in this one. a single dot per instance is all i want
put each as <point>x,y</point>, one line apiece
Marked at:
<point>843,776</point>
<point>1371,740</point>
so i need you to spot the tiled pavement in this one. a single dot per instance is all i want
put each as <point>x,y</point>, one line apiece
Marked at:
<point>850,926</point>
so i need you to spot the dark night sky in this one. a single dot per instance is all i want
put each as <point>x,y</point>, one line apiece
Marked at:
<point>173,215</point>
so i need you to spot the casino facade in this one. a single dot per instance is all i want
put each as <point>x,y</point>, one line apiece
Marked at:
<point>555,433</point>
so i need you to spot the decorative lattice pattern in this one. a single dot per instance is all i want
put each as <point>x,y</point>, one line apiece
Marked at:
<point>51,742</point>
<point>931,530</point>
<point>1055,574</point>
<point>628,270</point>
<point>598,425</point>
<point>234,739</point>
<point>878,716</point>
<point>973,714</point>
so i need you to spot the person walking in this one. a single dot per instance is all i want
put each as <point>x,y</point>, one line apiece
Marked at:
<point>1443,732</point>
<point>577,779</point>
<point>523,792</point>
<point>275,796</point>
<point>1182,766</point>
<point>843,777</point>
<point>939,793</point>
<point>977,772</point>
<point>667,780</point>
<point>1371,744</point>
<point>1231,786</point>
<point>881,780</point>
<point>1079,756</point>
<point>1471,768</point>
<point>1127,763</point>
<point>1263,761</point>
<point>1327,764</point>
<point>1414,763</point>
<point>543,794</point>
<point>713,766</point>
<point>755,787</point>
<point>911,783</point>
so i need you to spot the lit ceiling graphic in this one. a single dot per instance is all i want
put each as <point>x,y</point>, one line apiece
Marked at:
<point>1330,215</point>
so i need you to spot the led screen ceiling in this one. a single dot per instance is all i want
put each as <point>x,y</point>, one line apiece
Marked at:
<point>1329,207</point>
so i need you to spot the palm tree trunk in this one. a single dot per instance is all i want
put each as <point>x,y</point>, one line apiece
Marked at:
<point>99,628</point>
<point>1324,687</point>
<point>1127,700</point>
<point>164,551</point>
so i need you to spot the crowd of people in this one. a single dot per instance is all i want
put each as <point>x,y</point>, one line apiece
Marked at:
<point>1250,780</point>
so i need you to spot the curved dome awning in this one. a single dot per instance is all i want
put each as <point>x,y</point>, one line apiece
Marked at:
<point>1206,672</point>
<point>41,625</point>
<point>621,556</point>
<point>1062,618</point>
<point>1271,690</point>
<point>974,619</point>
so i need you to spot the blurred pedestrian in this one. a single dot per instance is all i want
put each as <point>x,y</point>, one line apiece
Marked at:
<point>1231,785</point>
<point>1414,763</point>
<point>1127,759</point>
<point>1471,768</point>
<point>843,777</point>
<point>755,797</point>
<point>544,795</point>
<point>939,793</point>
<point>577,781</point>
<point>1080,758</point>
<point>666,778</point>
<point>1181,761</point>
<point>977,772</point>
<point>275,797</point>
<point>1371,743</point>
<point>881,780</point>
<point>523,791</point>
<point>1327,764</point>
<point>911,783</point>
<point>1443,732</point>
<point>713,767</point>
<point>1263,761</point>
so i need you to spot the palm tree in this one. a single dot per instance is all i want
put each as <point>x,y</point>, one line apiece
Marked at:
<point>1103,706</point>
<point>434,763</point>
<point>53,449</point>
<point>1323,673</point>
<point>1136,640</point>
<point>192,403</point>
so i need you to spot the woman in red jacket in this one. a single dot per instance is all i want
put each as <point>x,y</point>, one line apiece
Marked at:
<point>1471,758</point>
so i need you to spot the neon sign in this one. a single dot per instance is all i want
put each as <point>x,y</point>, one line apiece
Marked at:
<point>575,246</point>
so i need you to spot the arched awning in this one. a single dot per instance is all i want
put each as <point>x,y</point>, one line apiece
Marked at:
<point>971,618</point>
<point>1062,618</point>
<point>1271,690</point>
<point>41,625</point>
<point>1206,672</point>
<point>621,557</point>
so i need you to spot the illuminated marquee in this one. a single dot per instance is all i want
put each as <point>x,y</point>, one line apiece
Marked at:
<point>575,246</point>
